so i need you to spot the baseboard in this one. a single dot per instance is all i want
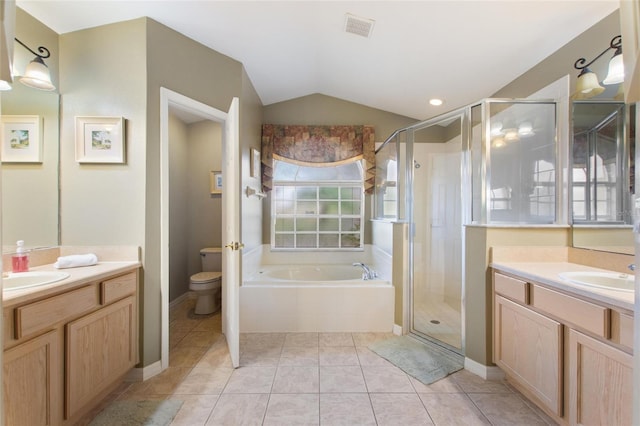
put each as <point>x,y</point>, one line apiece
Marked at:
<point>397,330</point>
<point>181,298</point>
<point>144,373</point>
<point>487,372</point>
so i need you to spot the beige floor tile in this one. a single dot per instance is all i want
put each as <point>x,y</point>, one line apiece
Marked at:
<point>338,355</point>
<point>470,383</point>
<point>453,409</point>
<point>365,339</point>
<point>367,357</point>
<point>399,409</point>
<point>245,410</point>
<point>386,380</point>
<point>185,356</point>
<point>166,382</point>
<point>297,409</point>
<point>200,338</point>
<point>204,381</point>
<point>505,409</point>
<point>299,355</point>
<point>446,385</point>
<point>293,379</point>
<point>251,380</point>
<point>182,324</point>
<point>216,356</point>
<point>254,356</point>
<point>265,339</point>
<point>346,409</point>
<point>335,339</point>
<point>176,336</point>
<point>195,409</point>
<point>301,339</point>
<point>341,379</point>
<point>212,323</point>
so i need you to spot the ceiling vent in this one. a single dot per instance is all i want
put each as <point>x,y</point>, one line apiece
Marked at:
<point>358,26</point>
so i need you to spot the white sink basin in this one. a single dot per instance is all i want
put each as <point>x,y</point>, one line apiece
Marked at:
<point>20,280</point>
<point>609,280</point>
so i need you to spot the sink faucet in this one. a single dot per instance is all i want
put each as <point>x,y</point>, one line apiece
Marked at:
<point>367,272</point>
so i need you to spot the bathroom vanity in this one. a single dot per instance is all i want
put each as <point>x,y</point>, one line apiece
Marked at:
<point>67,344</point>
<point>567,347</point>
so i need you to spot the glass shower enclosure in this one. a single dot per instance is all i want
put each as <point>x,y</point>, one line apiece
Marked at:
<point>490,163</point>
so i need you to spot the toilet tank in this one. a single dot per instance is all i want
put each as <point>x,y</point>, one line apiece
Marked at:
<point>211,259</point>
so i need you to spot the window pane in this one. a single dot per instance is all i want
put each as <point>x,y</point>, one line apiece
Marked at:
<point>329,207</point>
<point>307,207</point>
<point>328,193</point>
<point>284,207</point>
<point>350,225</point>
<point>306,193</point>
<point>305,240</point>
<point>306,224</point>
<point>284,224</point>
<point>350,240</point>
<point>329,240</point>
<point>351,193</point>
<point>284,240</point>
<point>350,207</point>
<point>329,225</point>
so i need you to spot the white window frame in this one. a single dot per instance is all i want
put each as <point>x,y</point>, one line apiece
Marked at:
<point>319,184</point>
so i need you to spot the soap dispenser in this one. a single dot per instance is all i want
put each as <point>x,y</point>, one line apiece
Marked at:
<point>20,260</point>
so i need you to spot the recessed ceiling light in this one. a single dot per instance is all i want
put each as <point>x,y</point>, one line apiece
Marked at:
<point>436,102</point>
<point>358,26</point>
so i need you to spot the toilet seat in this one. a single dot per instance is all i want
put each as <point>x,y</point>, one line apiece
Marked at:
<point>205,277</point>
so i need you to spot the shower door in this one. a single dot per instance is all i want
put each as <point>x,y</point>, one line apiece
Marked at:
<point>436,212</point>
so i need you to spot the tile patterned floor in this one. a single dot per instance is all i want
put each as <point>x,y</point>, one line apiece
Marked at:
<point>311,379</point>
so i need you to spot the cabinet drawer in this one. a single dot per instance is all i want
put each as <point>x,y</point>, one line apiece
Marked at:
<point>38,316</point>
<point>622,329</point>
<point>511,288</point>
<point>585,315</point>
<point>117,288</point>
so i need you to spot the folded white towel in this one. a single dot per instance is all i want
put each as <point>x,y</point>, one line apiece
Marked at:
<point>76,260</point>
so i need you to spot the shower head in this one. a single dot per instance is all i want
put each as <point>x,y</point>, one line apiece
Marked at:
<point>416,164</point>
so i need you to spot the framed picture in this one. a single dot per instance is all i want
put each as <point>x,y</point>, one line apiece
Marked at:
<point>255,163</point>
<point>100,140</point>
<point>21,141</point>
<point>215,182</point>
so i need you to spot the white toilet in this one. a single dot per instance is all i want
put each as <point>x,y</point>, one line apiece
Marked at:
<point>208,284</point>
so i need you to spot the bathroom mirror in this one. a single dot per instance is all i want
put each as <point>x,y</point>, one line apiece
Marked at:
<point>30,193</point>
<point>602,167</point>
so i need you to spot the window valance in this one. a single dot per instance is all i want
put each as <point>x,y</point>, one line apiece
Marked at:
<point>318,146</point>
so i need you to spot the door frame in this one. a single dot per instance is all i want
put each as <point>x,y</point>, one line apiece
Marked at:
<point>169,98</point>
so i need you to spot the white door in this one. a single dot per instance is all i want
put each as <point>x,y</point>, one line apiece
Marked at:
<point>231,233</point>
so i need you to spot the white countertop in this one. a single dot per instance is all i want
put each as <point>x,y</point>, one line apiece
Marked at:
<point>77,277</point>
<point>547,273</point>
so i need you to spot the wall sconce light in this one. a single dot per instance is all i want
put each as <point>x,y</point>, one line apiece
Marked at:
<point>36,74</point>
<point>587,85</point>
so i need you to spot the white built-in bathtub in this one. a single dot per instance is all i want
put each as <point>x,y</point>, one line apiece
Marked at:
<point>314,297</point>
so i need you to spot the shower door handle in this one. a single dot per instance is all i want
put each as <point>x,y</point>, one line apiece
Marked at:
<point>235,246</point>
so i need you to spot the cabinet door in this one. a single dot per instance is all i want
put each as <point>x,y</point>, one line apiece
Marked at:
<point>32,382</point>
<point>600,382</point>
<point>100,350</point>
<point>527,346</point>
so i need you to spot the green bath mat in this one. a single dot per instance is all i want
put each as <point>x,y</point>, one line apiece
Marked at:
<point>425,361</point>
<point>138,413</point>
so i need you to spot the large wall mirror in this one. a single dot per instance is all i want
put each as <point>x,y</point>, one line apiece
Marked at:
<point>602,171</point>
<point>30,193</point>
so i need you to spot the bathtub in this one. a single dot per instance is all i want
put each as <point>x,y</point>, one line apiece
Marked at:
<point>315,298</point>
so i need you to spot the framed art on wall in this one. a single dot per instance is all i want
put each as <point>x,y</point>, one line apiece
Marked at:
<point>21,141</point>
<point>100,140</point>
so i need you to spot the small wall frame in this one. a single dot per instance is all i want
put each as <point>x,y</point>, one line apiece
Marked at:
<point>100,140</point>
<point>215,182</point>
<point>21,139</point>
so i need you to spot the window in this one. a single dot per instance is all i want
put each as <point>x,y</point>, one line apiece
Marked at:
<point>317,208</point>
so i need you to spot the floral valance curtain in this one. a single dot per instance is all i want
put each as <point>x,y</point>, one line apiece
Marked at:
<point>318,146</point>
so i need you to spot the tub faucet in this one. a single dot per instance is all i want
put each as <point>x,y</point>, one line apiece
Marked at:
<point>367,272</point>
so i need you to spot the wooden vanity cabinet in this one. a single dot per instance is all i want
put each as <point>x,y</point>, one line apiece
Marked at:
<point>63,352</point>
<point>572,357</point>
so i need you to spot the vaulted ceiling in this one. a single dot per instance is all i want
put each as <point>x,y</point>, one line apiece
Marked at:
<point>459,51</point>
